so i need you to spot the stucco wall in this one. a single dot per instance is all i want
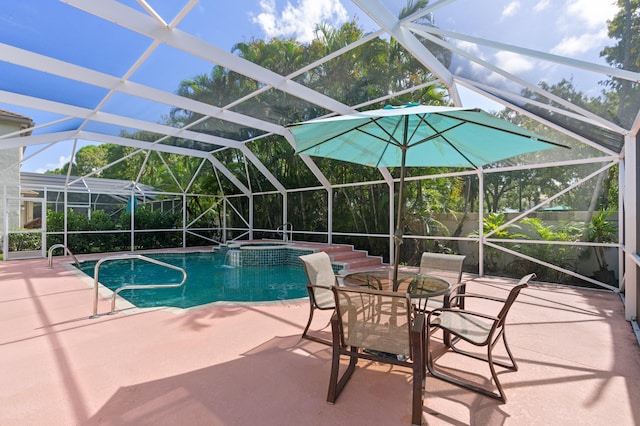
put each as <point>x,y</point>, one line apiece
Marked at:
<point>585,263</point>
<point>10,177</point>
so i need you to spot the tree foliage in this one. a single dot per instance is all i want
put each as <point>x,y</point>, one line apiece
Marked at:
<point>369,71</point>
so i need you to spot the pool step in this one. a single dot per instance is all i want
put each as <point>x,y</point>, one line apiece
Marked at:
<point>353,259</point>
<point>344,255</point>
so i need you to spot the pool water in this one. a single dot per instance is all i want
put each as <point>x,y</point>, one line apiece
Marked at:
<point>208,280</point>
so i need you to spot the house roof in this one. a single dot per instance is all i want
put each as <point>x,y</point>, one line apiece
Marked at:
<point>84,184</point>
<point>13,117</point>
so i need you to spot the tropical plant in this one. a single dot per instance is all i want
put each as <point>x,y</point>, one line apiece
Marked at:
<point>380,67</point>
<point>495,222</point>
<point>623,28</point>
<point>562,255</point>
<point>602,230</point>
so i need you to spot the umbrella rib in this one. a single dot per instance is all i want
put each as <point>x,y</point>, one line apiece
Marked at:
<point>477,123</point>
<point>358,129</point>
<point>440,134</point>
<point>415,130</point>
<point>503,130</point>
<point>327,139</point>
<point>459,152</point>
<point>436,134</point>
<point>391,141</point>
<point>466,121</point>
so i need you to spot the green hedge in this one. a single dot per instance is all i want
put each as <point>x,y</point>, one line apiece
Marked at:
<point>25,241</point>
<point>106,241</point>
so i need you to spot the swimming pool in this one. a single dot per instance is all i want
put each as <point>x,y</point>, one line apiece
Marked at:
<point>209,280</point>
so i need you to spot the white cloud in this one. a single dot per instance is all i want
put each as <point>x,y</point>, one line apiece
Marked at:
<point>475,71</point>
<point>62,160</point>
<point>510,9</point>
<point>512,63</point>
<point>467,46</point>
<point>575,45</point>
<point>591,13</point>
<point>583,26</point>
<point>463,63</point>
<point>299,21</point>
<point>541,5</point>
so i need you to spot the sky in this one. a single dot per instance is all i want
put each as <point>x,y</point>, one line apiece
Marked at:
<point>574,28</point>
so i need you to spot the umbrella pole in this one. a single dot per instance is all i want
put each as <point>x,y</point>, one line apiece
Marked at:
<point>397,235</point>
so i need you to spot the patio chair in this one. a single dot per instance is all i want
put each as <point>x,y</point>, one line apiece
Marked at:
<point>393,335</point>
<point>476,328</point>
<point>448,267</point>
<point>321,279</point>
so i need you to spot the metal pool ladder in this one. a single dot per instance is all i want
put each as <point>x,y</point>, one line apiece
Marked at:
<point>286,230</point>
<point>55,246</point>
<point>130,286</point>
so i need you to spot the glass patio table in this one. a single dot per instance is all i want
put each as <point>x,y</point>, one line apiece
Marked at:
<point>418,285</point>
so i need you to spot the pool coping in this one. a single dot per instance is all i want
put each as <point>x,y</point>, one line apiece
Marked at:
<point>124,306</point>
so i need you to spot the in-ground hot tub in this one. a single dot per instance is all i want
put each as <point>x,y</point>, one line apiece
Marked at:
<point>263,253</point>
<point>266,245</point>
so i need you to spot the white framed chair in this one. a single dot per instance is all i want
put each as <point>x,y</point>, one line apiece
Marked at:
<point>320,280</point>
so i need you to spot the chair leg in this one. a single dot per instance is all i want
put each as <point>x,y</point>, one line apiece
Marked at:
<point>304,333</point>
<point>417,401</point>
<point>458,382</point>
<point>501,396</point>
<point>514,364</point>
<point>511,366</point>
<point>446,338</point>
<point>419,376</point>
<point>335,385</point>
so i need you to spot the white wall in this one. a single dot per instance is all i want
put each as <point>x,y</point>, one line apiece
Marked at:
<point>10,177</point>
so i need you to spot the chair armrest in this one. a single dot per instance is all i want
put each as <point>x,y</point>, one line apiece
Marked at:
<point>454,292</point>
<point>418,339</point>
<point>475,296</point>
<point>321,296</point>
<point>336,341</point>
<point>324,287</point>
<point>439,311</point>
<point>418,322</point>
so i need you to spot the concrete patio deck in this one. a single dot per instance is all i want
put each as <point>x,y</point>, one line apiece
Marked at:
<point>245,364</point>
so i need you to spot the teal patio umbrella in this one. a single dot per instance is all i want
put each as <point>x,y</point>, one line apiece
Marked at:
<point>416,135</point>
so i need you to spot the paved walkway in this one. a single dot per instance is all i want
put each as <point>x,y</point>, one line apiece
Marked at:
<point>245,364</point>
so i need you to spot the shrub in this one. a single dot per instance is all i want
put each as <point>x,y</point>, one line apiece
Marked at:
<point>494,259</point>
<point>601,230</point>
<point>564,256</point>
<point>25,241</point>
<point>112,241</point>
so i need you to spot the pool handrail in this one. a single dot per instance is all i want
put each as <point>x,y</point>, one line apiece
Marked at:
<point>284,229</point>
<point>55,246</point>
<point>130,286</point>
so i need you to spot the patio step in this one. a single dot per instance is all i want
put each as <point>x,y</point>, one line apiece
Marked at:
<point>350,258</point>
<point>340,256</point>
<point>363,262</point>
<point>345,255</point>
